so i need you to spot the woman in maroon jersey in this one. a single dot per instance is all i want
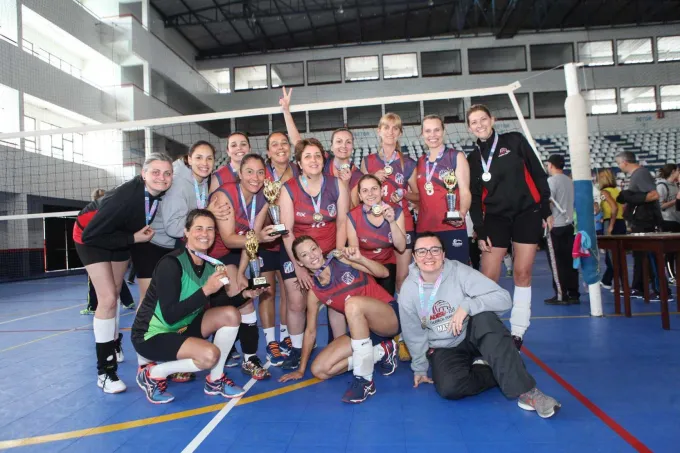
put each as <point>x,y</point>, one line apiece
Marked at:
<point>345,283</point>
<point>377,229</point>
<point>103,234</point>
<point>238,145</point>
<point>246,200</point>
<point>432,211</point>
<point>397,174</point>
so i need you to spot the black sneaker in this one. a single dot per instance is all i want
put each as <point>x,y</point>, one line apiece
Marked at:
<point>555,301</point>
<point>292,362</point>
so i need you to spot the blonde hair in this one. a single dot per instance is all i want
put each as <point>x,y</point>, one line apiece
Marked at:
<point>605,178</point>
<point>396,119</point>
<point>97,194</point>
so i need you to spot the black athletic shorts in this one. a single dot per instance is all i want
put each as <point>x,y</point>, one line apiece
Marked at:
<point>377,339</point>
<point>165,346</point>
<point>286,265</point>
<point>410,239</point>
<point>269,261</point>
<point>91,255</point>
<point>524,228</point>
<point>145,256</point>
<point>389,283</point>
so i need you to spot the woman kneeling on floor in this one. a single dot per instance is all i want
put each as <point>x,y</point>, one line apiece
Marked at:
<point>186,302</point>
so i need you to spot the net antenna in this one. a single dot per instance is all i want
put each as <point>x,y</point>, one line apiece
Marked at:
<point>579,151</point>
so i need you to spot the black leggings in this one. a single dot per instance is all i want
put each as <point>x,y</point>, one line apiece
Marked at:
<point>670,227</point>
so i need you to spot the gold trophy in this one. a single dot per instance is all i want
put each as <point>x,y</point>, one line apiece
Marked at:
<point>451,182</point>
<point>271,191</point>
<point>255,281</point>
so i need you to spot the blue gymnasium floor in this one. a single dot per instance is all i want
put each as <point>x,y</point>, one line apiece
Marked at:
<point>617,380</point>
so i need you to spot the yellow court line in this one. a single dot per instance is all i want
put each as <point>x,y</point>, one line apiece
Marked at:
<point>151,420</point>
<point>53,335</point>
<point>40,314</point>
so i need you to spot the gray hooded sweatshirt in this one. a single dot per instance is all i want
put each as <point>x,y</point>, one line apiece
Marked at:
<point>177,202</point>
<point>461,286</point>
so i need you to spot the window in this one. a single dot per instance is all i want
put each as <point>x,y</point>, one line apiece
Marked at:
<point>502,108</point>
<point>254,125</point>
<point>29,125</point>
<point>634,51</point>
<point>441,63</point>
<point>409,112</point>
<point>324,71</point>
<point>497,59</point>
<point>366,116</point>
<point>325,120</point>
<point>451,110</point>
<point>638,99</point>
<point>300,118</point>
<point>287,74</point>
<point>223,81</point>
<point>400,66</point>
<point>549,104</point>
<point>9,114</point>
<point>596,53</point>
<point>601,102</point>
<point>668,48</point>
<point>250,78</point>
<point>547,56</point>
<point>670,97</point>
<point>361,68</point>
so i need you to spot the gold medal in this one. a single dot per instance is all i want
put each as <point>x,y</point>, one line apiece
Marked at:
<point>344,167</point>
<point>388,170</point>
<point>317,217</point>
<point>429,187</point>
<point>376,209</point>
<point>429,192</point>
<point>220,268</point>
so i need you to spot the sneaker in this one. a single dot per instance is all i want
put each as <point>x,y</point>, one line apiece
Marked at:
<point>404,354</point>
<point>605,286</point>
<point>141,368</point>
<point>120,357</point>
<point>154,388</point>
<point>110,383</point>
<point>86,311</point>
<point>274,353</point>
<point>235,354</point>
<point>555,301</point>
<point>358,391</point>
<point>253,368</point>
<point>222,386</point>
<point>518,342</point>
<point>130,307</point>
<point>292,362</point>
<point>232,359</point>
<point>286,345</point>
<point>388,363</point>
<point>182,378</point>
<point>535,400</point>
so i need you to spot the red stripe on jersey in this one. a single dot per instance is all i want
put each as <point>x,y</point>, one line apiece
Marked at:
<point>81,223</point>
<point>532,185</point>
<point>433,207</point>
<point>324,232</point>
<point>397,180</point>
<point>225,175</point>
<point>347,282</point>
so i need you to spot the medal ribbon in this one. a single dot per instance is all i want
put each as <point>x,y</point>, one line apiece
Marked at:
<point>325,265</point>
<point>205,257</point>
<point>149,213</point>
<point>428,173</point>
<point>251,219</point>
<point>425,309</point>
<point>487,165</point>
<point>201,198</point>
<point>277,177</point>
<point>317,203</point>
<point>384,159</point>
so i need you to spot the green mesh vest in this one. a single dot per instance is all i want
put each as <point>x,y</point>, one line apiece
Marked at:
<point>190,284</point>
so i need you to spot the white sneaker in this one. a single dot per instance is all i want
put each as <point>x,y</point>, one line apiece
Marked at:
<point>120,356</point>
<point>119,348</point>
<point>110,383</point>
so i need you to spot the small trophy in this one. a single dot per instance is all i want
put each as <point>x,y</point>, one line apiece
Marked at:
<point>255,281</point>
<point>272,189</point>
<point>450,181</point>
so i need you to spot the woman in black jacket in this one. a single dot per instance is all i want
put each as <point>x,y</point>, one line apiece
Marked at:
<point>510,206</point>
<point>104,232</point>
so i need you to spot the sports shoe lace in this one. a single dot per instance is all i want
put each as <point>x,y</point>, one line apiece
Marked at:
<point>275,349</point>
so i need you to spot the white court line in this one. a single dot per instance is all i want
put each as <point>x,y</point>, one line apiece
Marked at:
<point>40,314</point>
<point>205,432</point>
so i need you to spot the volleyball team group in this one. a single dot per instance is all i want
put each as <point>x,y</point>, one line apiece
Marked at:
<point>379,246</point>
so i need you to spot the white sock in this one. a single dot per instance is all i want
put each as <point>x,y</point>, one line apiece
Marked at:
<point>283,331</point>
<point>224,340</point>
<point>163,370</point>
<point>350,363</point>
<point>378,353</point>
<point>521,310</point>
<point>362,358</point>
<point>104,329</point>
<point>141,361</point>
<point>269,334</point>
<point>297,340</point>
<point>115,332</point>
<point>250,318</point>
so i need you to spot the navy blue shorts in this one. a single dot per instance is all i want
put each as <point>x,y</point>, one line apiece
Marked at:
<point>286,265</point>
<point>456,244</point>
<point>410,239</point>
<point>377,339</point>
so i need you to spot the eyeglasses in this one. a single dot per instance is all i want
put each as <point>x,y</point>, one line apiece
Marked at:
<point>422,252</point>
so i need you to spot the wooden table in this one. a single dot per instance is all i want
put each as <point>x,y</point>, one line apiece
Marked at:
<point>657,243</point>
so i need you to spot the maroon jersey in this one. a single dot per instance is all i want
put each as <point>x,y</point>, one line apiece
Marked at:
<point>347,282</point>
<point>432,209</point>
<point>324,231</point>
<point>269,168</point>
<point>375,242</point>
<point>402,169</point>
<point>225,174</point>
<point>354,171</point>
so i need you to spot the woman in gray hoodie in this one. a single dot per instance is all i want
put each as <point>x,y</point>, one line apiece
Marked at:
<point>450,321</point>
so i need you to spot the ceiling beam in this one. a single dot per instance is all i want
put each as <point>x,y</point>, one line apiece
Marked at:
<point>515,12</point>
<point>231,24</point>
<point>283,18</point>
<point>211,34</point>
<point>571,11</point>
